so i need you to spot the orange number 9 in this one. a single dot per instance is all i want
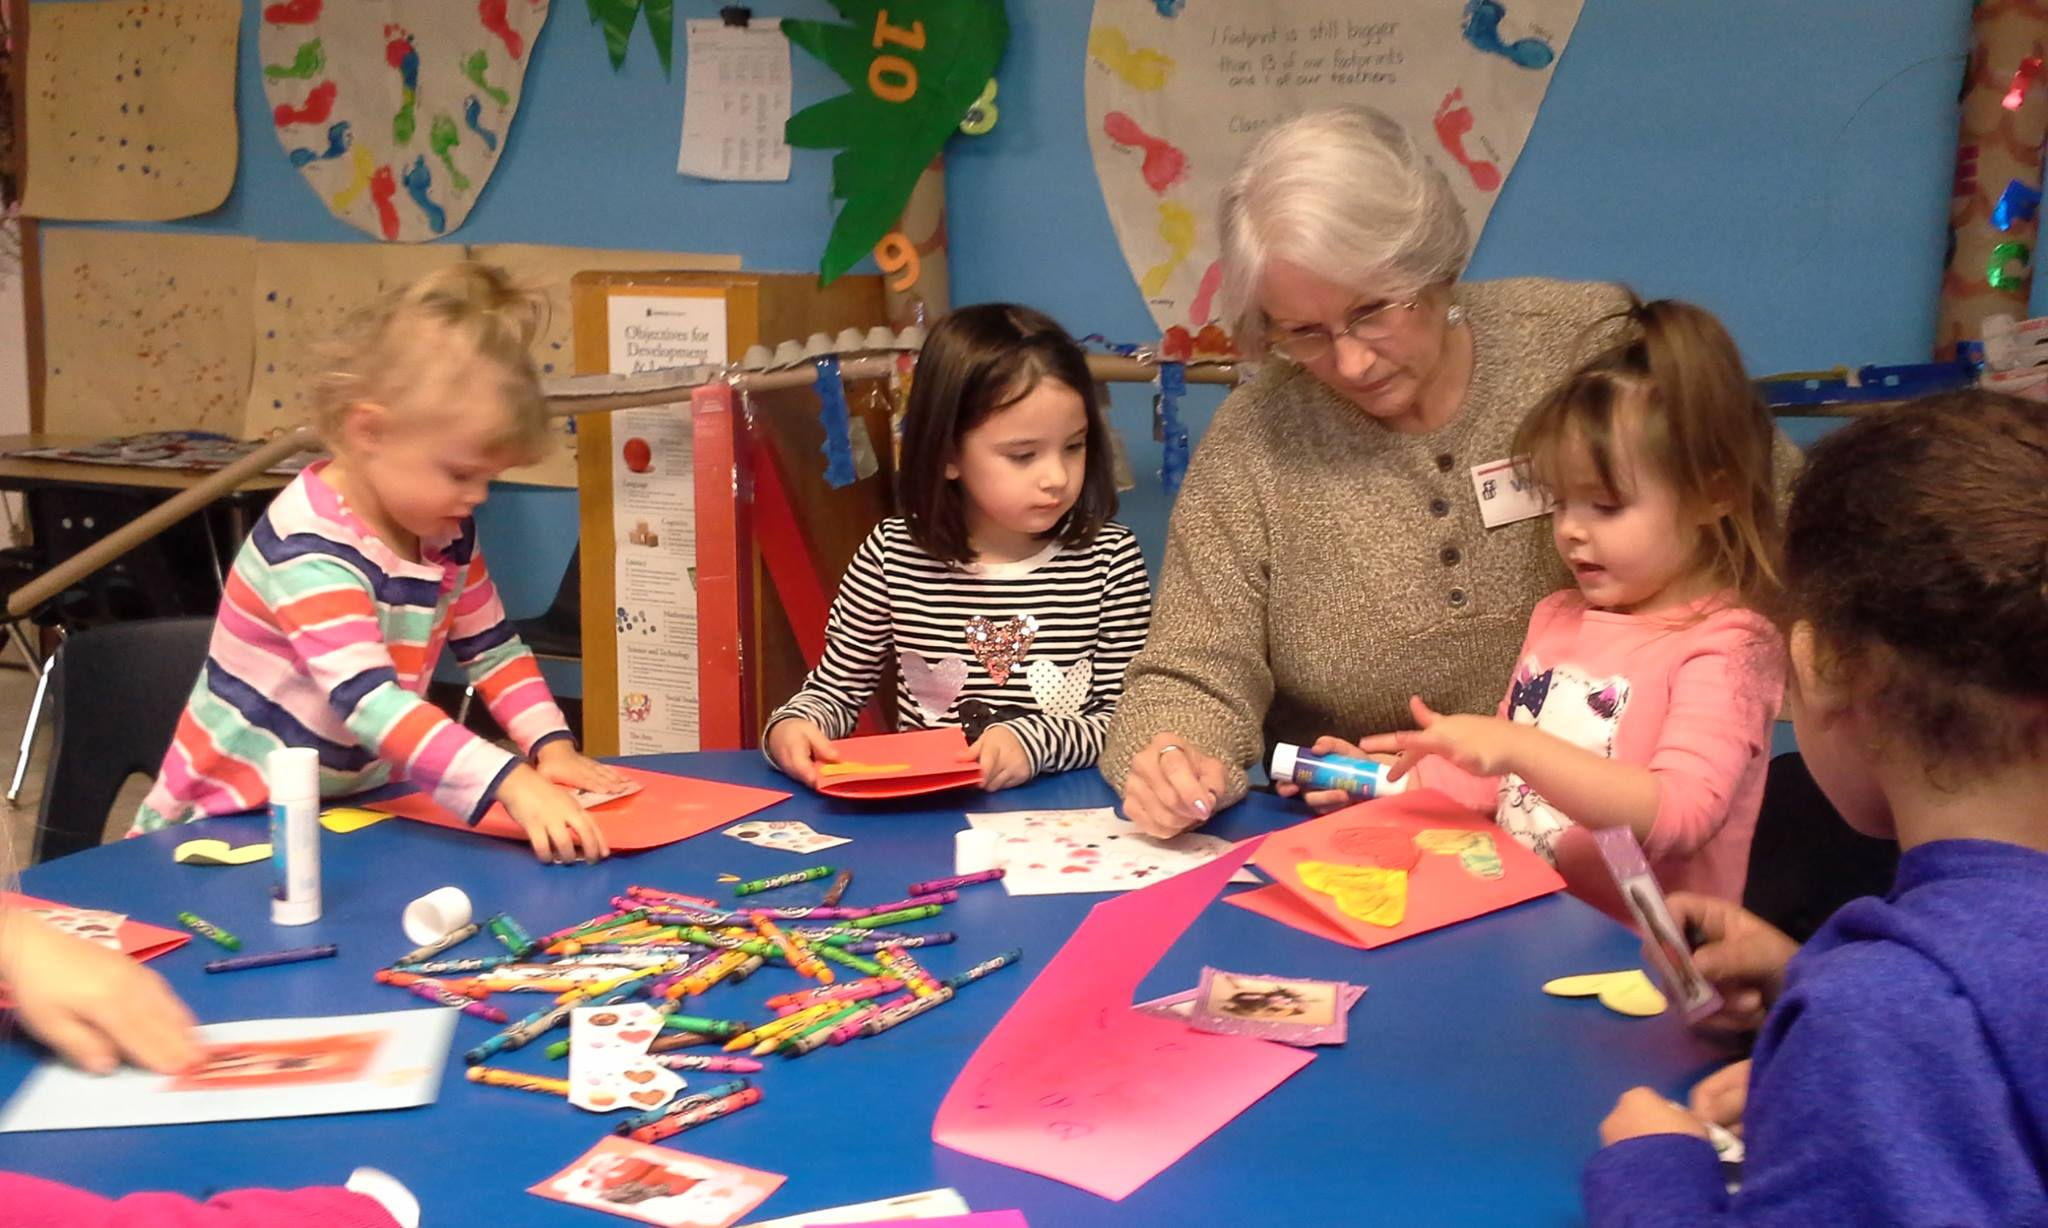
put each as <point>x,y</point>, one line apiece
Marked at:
<point>897,254</point>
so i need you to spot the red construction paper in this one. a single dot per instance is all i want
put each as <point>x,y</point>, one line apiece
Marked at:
<point>1075,1085</point>
<point>1440,890</point>
<point>1282,905</point>
<point>139,939</point>
<point>667,809</point>
<point>921,761</point>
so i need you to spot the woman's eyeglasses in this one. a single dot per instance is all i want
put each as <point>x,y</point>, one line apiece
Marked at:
<point>1369,326</point>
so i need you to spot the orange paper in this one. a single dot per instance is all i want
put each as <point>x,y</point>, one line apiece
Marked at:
<point>666,809</point>
<point>901,764</point>
<point>1443,888</point>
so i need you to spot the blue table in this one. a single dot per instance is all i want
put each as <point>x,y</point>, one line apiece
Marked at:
<point>1464,1096</point>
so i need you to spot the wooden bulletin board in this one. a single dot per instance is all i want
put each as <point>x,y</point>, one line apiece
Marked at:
<point>740,623</point>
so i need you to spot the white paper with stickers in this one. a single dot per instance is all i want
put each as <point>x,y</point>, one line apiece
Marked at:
<point>1071,852</point>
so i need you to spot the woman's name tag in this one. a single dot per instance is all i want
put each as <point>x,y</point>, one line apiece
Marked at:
<point>1506,497</point>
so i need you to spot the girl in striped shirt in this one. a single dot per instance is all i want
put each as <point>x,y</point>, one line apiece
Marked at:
<point>367,565</point>
<point>1004,596</point>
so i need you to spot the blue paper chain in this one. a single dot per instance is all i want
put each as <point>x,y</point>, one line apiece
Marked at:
<point>1173,466</point>
<point>832,415</point>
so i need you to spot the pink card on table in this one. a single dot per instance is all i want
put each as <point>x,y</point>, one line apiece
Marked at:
<point>662,809</point>
<point>1076,1085</point>
<point>978,1219</point>
<point>900,764</point>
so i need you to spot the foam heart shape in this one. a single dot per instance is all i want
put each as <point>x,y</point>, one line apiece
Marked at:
<point>1060,692</point>
<point>1386,847</point>
<point>218,853</point>
<point>933,685</point>
<point>1000,648</point>
<point>1372,894</point>
<point>1625,993</point>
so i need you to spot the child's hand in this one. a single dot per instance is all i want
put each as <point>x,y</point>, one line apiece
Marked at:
<point>798,746</point>
<point>570,768</point>
<point>1641,1111</point>
<point>93,1006</point>
<point>554,824</point>
<point>1481,745</point>
<point>1722,1095</point>
<point>1003,761</point>
<point>1743,955</point>
<point>1322,800</point>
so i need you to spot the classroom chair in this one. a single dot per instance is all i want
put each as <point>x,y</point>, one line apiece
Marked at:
<point>1805,862</point>
<point>119,692</point>
<point>556,632</point>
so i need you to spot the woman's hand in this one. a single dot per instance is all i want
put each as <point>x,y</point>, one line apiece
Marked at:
<point>1722,1095</point>
<point>1172,786</point>
<point>570,768</point>
<point>798,746</point>
<point>1324,800</point>
<point>1481,745</point>
<point>554,823</point>
<point>94,1007</point>
<point>1642,1111</point>
<point>1003,761</point>
<point>1743,955</point>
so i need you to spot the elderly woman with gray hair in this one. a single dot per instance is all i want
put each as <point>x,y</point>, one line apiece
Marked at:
<point>1328,556</point>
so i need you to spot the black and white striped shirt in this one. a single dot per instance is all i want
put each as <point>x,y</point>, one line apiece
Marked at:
<point>1078,614</point>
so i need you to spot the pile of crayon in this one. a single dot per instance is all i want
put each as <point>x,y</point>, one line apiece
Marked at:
<point>670,949</point>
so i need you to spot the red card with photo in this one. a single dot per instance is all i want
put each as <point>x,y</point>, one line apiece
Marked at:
<point>900,764</point>
<point>666,809</point>
<point>1394,867</point>
<point>280,1063</point>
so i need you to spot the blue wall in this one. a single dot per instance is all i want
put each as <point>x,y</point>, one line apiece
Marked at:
<point>1785,165</point>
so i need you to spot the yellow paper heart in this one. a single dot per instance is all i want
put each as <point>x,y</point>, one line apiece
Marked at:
<point>1475,850</point>
<point>1625,993</point>
<point>1372,894</point>
<point>344,819</point>
<point>218,853</point>
<point>860,769</point>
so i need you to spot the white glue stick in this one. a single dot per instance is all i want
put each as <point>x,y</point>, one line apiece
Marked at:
<point>294,835</point>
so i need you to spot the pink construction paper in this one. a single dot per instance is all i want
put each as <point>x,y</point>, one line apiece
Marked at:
<point>979,1219</point>
<point>1075,1085</point>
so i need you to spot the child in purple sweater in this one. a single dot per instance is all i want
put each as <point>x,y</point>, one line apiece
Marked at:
<point>1901,1077</point>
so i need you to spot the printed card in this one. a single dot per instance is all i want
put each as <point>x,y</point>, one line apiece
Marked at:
<point>788,835</point>
<point>1290,1010</point>
<point>95,925</point>
<point>658,1186</point>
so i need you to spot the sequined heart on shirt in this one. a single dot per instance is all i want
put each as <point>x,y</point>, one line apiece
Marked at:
<point>1000,648</point>
<point>1060,692</point>
<point>933,685</point>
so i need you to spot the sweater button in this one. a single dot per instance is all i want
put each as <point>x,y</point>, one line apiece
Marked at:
<point>1457,597</point>
<point>1439,508</point>
<point>1444,461</point>
<point>1450,556</point>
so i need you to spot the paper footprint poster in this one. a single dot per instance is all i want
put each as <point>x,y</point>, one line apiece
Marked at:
<point>1176,93</point>
<point>1063,852</point>
<point>131,109</point>
<point>251,1070</point>
<point>396,111</point>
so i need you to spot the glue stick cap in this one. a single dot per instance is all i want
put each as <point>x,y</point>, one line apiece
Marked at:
<point>435,915</point>
<point>1284,756</point>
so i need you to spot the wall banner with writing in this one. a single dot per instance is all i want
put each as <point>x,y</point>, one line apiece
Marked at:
<point>1176,93</point>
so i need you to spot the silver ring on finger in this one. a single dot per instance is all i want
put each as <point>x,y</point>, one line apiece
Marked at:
<point>1172,746</point>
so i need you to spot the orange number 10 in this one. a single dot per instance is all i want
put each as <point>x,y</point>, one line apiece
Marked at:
<point>892,78</point>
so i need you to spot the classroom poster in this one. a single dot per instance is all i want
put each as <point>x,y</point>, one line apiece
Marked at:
<point>1176,93</point>
<point>130,108</point>
<point>654,518</point>
<point>396,111</point>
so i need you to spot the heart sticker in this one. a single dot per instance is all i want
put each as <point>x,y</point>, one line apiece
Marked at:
<point>1625,993</point>
<point>1386,847</point>
<point>1060,693</point>
<point>1372,894</point>
<point>1000,648</point>
<point>1475,850</point>
<point>933,685</point>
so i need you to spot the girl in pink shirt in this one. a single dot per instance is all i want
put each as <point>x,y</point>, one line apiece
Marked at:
<point>1644,697</point>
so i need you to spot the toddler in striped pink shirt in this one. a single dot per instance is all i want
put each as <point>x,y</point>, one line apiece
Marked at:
<point>367,566</point>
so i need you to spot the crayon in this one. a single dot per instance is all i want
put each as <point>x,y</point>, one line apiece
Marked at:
<point>957,880</point>
<point>795,951</point>
<point>454,937</point>
<point>779,1027</point>
<point>680,1122</point>
<point>891,918</point>
<point>442,967</point>
<point>811,912</point>
<point>720,1029</point>
<point>907,970</point>
<point>265,959</point>
<point>985,967</point>
<point>850,1029</point>
<point>866,967</point>
<point>882,1021</point>
<point>612,922</point>
<point>687,901</point>
<point>491,1076</point>
<point>434,992</point>
<point>681,1104</point>
<point>939,939</point>
<point>915,901</point>
<point>845,991</point>
<point>790,879</point>
<point>549,939</point>
<point>512,934</point>
<point>705,973</point>
<point>821,1032</point>
<point>837,890</point>
<point>734,1065</point>
<point>524,1032</point>
<point>747,967</point>
<point>208,930</point>
<point>669,1042</point>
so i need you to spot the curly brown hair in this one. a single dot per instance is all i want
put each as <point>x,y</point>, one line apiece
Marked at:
<point>1917,548</point>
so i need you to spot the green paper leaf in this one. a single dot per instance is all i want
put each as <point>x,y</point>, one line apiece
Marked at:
<point>661,23</point>
<point>885,145</point>
<point>616,17</point>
